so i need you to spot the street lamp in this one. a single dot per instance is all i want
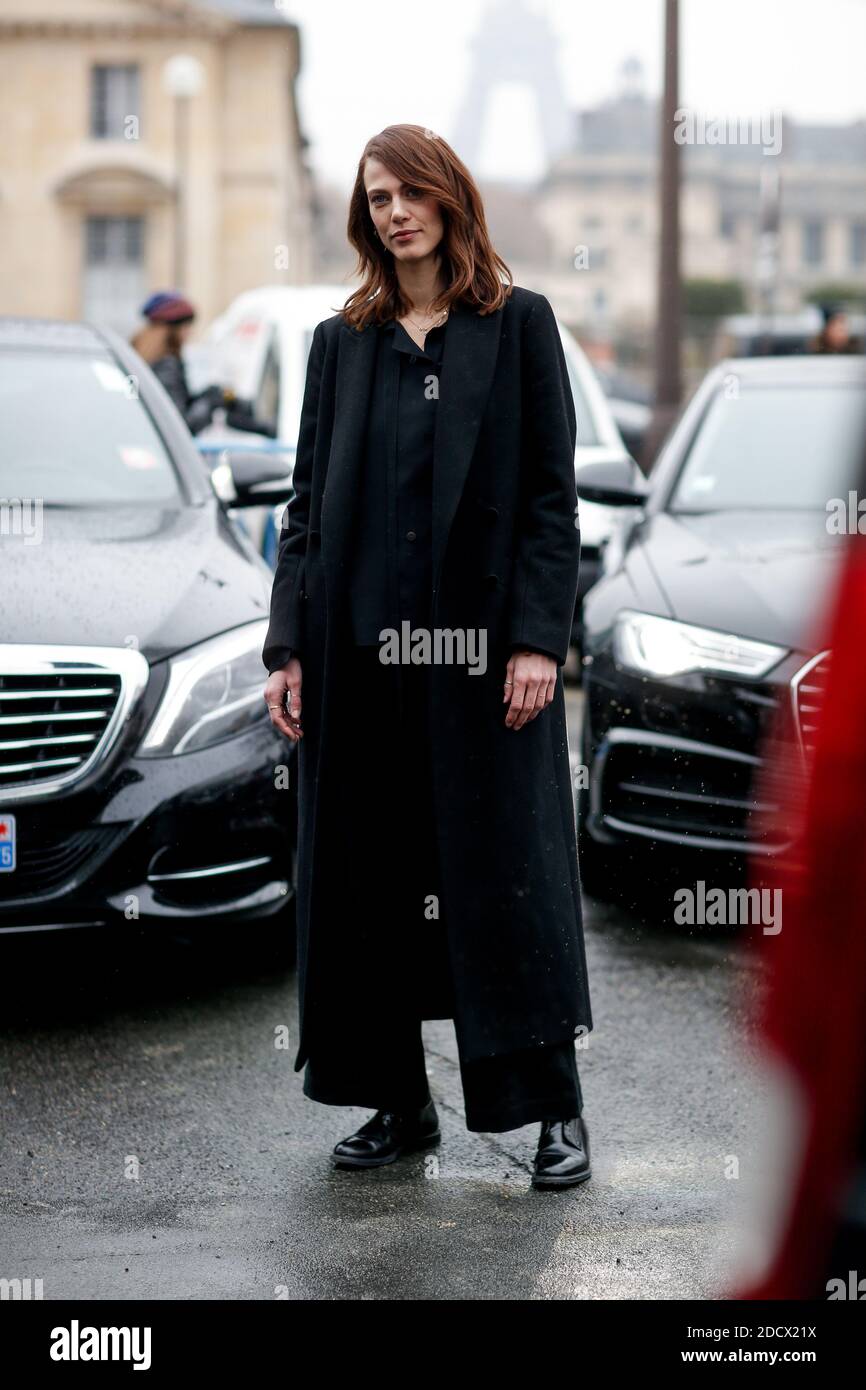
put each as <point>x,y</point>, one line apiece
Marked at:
<point>183,79</point>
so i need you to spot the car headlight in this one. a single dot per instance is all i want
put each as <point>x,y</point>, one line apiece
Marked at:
<point>662,647</point>
<point>214,691</point>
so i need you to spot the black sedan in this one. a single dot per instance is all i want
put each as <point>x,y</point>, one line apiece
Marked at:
<point>703,623</point>
<point>141,781</point>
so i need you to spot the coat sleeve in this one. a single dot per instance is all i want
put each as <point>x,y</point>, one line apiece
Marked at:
<point>547,551</point>
<point>280,657</point>
<point>286,617</point>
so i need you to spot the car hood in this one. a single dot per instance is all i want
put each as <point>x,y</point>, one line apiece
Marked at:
<point>156,578</point>
<point>764,574</point>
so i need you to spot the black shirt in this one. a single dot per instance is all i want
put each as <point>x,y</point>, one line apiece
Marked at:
<point>391,576</point>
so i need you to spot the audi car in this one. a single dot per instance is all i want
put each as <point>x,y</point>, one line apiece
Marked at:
<point>141,781</point>
<point>701,629</point>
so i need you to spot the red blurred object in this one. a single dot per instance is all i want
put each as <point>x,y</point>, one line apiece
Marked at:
<point>813,1014</point>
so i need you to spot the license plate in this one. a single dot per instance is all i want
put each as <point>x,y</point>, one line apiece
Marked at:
<point>7,844</point>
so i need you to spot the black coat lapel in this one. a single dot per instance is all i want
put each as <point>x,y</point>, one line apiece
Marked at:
<point>468,364</point>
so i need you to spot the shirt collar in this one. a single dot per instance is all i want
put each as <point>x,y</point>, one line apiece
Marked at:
<point>402,342</point>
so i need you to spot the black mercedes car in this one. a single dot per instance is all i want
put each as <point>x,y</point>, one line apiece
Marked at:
<point>704,621</point>
<point>141,781</point>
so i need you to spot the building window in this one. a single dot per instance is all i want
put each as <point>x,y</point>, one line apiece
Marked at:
<point>114,97</point>
<point>115,280</point>
<point>857,245</point>
<point>813,243</point>
<point>115,240</point>
<point>727,225</point>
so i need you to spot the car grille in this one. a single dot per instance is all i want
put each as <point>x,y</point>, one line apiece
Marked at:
<point>60,710</point>
<point>808,690</point>
<point>673,789</point>
<point>53,860</point>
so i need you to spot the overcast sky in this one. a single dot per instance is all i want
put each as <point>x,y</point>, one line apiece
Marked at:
<point>368,65</point>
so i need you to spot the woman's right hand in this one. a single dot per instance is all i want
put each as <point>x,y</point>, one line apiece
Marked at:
<point>283,694</point>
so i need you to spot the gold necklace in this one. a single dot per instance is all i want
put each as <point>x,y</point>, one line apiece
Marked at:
<point>426,330</point>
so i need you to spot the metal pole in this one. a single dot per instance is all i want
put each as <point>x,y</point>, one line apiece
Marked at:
<point>669,288</point>
<point>181,148</point>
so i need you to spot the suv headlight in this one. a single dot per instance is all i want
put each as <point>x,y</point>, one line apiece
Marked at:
<point>214,691</point>
<point>661,647</point>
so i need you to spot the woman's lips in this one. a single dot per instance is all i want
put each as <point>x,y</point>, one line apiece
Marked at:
<point>402,236</point>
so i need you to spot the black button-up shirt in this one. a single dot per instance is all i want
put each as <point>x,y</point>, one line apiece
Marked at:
<point>391,578</point>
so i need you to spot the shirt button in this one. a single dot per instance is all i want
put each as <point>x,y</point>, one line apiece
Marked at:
<point>410,535</point>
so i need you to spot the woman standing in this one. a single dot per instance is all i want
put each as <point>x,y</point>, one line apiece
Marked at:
<point>421,613</point>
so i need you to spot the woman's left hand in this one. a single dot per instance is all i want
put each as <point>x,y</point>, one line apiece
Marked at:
<point>530,682</point>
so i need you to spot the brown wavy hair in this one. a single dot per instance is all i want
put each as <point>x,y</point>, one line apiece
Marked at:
<point>470,264</point>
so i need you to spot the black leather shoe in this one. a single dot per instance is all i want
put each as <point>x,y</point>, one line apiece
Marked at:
<point>387,1136</point>
<point>562,1158</point>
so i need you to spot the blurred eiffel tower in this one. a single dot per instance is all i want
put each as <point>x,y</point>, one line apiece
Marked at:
<point>514,44</point>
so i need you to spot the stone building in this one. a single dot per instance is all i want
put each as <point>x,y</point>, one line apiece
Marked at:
<point>148,144</point>
<point>599,206</point>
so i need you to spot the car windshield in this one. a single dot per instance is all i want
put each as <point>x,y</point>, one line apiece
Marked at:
<point>775,447</point>
<point>74,433</point>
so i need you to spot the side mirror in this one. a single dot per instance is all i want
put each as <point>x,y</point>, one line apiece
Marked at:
<point>252,476</point>
<point>619,483</point>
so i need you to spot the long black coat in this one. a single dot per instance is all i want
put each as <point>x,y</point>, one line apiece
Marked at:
<point>506,552</point>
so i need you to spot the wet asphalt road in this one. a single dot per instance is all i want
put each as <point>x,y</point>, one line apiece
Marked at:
<point>155,1143</point>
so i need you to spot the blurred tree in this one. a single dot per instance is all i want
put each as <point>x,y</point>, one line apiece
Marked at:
<point>838,292</point>
<point>713,299</point>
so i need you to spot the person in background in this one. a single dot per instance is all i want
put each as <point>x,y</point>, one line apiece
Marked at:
<point>169,317</point>
<point>835,336</point>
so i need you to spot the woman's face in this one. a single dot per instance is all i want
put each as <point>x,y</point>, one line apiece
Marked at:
<point>399,207</point>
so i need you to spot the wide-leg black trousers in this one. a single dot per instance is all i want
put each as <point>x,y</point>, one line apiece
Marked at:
<point>399,931</point>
